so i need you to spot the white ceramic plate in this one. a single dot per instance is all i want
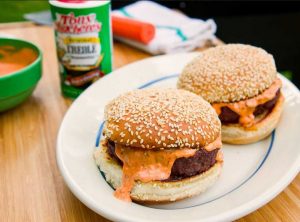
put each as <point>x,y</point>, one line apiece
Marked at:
<point>252,174</point>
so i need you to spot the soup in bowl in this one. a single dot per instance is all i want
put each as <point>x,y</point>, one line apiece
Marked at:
<point>14,58</point>
<point>20,71</point>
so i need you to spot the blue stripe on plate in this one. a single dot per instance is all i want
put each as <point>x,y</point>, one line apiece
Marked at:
<point>98,139</point>
<point>158,80</point>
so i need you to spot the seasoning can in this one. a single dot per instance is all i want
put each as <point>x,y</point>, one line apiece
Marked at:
<point>83,42</point>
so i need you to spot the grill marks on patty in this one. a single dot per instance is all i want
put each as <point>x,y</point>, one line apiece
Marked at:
<point>228,116</point>
<point>199,163</point>
<point>182,167</point>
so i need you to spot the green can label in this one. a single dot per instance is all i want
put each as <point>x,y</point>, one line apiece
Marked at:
<point>83,41</point>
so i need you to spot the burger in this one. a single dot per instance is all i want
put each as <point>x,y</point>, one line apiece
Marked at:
<point>160,145</point>
<point>241,83</point>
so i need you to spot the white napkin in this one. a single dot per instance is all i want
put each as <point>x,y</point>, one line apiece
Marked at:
<point>175,32</point>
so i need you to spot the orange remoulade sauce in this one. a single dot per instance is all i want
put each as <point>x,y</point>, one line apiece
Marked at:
<point>13,59</point>
<point>246,108</point>
<point>148,165</point>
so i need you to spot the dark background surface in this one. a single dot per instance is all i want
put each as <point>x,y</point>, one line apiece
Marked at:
<point>274,26</point>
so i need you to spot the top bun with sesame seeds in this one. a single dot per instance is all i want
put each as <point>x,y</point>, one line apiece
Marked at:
<point>161,118</point>
<point>229,73</point>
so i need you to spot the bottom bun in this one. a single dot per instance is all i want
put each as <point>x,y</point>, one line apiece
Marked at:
<point>157,191</point>
<point>236,134</point>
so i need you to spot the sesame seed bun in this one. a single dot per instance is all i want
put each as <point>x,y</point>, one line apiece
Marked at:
<point>157,191</point>
<point>161,118</point>
<point>229,73</point>
<point>236,134</point>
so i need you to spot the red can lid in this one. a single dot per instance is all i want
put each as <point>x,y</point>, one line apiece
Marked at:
<point>72,1</point>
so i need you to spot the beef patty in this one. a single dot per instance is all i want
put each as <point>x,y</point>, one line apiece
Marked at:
<point>182,167</point>
<point>229,116</point>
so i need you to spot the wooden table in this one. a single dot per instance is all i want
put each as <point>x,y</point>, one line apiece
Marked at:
<point>31,187</point>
